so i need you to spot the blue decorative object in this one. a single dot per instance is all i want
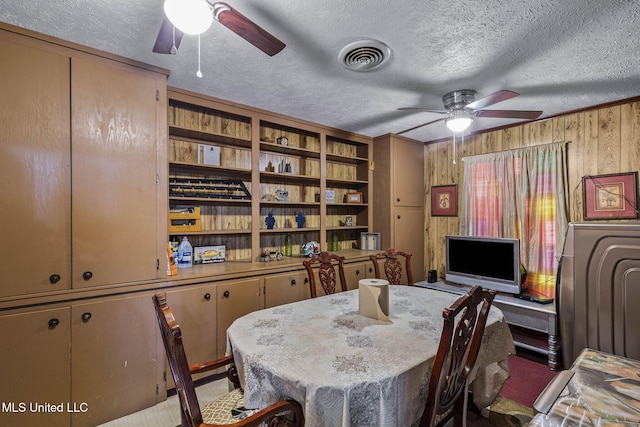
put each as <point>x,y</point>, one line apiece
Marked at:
<point>300,219</point>
<point>270,220</point>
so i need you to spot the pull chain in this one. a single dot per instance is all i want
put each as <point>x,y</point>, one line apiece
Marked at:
<point>199,73</point>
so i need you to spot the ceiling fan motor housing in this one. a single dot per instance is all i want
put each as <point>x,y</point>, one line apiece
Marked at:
<point>458,99</point>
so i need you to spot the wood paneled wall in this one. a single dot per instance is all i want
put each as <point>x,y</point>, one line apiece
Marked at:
<point>602,141</point>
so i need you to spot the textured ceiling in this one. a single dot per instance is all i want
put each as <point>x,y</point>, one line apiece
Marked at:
<point>560,55</point>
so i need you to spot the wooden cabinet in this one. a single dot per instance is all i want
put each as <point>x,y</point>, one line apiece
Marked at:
<point>115,365</point>
<point>235,299</point>
<point>98,359</point>
<point>284,288</point>
<point>399,201</point>
<point>35,352</point>
<point>195,309</point>
<point>35,174</point>
<point>115,114</point>
<point>353,272</point>
<point>78,169</point>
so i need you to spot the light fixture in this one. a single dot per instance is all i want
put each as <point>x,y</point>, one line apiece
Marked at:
<point>459,120</point>
<point>189,16</point>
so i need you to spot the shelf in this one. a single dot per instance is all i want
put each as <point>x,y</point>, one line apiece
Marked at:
<point>276,177</point>
<point>345,182</point>
<point>202,136</point>
<point>288,150</point>
<point>210,232</point>
<point>288,230</point>
<point>193,168</point>
<point>344,228</point>
<point>290,204</point>
<point>346,159</point>
<point>207,201</point>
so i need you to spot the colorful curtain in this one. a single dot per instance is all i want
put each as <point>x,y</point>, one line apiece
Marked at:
<point>520,193</point>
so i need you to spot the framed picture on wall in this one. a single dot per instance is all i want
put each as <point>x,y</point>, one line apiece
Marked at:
<point>444,200</point>
<point>611,196</point>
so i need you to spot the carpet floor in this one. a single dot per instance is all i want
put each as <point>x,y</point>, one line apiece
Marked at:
<point>527,380</point>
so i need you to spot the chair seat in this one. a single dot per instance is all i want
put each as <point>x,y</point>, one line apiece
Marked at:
<point>219,411</point>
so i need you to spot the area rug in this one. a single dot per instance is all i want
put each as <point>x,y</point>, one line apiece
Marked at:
<point>503,413</point>
<point>526,381</point>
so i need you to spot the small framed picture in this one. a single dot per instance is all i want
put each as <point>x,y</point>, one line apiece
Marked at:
<point>330,196</point>
<point>353,197</point>
<point>348,221</point>
<point>444,200</point>
<point>610,196</point>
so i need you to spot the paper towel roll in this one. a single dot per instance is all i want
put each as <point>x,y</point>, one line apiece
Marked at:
<point>374,299</point>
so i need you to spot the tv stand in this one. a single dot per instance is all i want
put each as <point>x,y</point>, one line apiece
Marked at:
<point>523,314</point>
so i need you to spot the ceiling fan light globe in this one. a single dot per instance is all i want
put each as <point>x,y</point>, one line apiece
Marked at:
<point>459,120</point>
<point>189,16</point>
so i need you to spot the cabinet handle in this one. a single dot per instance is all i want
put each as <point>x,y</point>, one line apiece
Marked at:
<point>87,275</point>
<point>53,323</point>
<point>398,199</point>
<point>370,270</point>
<point>225,294</point>
<point>306,280</point>
<point>54,278</point>
<point>293,282</point>
<point>86,317</point>
<point>207,296</point>
<point>398,216</point>
<point>358,272</point>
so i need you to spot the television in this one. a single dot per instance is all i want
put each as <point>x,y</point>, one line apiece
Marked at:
<point>491,262</point>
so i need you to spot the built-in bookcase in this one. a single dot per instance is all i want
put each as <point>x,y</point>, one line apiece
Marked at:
<point>258,178</point>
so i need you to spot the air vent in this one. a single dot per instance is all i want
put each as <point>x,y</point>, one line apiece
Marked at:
<point>364,55</point>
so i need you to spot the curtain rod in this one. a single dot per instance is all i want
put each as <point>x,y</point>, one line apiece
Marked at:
<point>519,148</point>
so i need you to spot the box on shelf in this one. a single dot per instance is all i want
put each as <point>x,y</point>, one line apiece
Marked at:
<point>209,254</point>
<point>208,155</point>
<point>370,241</point>
<point>184,219</point>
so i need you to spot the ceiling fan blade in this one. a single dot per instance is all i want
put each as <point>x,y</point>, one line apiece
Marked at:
<point>245,28</point>
<point>426,110</point>
<point>494,98</point>
<point>509,114</point>
<point>422,125</point>
<point>164,42</point>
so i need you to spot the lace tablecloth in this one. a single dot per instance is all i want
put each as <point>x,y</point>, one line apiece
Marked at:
<point>349,370</point>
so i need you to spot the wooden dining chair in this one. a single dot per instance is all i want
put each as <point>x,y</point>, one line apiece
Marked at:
<point>393,266</point>
<point>326,273</point>
<point>218,413</point>
<point>464,324</point>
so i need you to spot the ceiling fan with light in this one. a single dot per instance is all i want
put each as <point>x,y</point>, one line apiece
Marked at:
<point>461,108</point>
<point>194,17</point>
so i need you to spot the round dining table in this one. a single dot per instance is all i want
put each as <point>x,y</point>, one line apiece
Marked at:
<point>346,369</point>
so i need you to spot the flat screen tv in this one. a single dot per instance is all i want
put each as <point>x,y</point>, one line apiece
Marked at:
<point>491,262</point>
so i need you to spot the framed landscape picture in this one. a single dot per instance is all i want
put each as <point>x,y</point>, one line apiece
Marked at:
<point>610,196</point>
<point>444,200</point>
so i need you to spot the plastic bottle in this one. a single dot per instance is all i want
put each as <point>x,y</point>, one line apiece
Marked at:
<point>334,241</point>
<point>288,245</point>
<point>185,253</point>
<point>175,244</point>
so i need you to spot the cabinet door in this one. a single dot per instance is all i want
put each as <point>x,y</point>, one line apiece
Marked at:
<point>35,367</point>
<point>235,299</point>
<point>35,177</point>
<point>353,273</point>
<point>114,358</point>
<point>114,206</point>
<point>408,235</point>
<point>195,311</point>
<point>408,173</point>
<point>283,288</point>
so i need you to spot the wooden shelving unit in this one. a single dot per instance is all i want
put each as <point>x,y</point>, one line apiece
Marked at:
<point>287,166</point>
